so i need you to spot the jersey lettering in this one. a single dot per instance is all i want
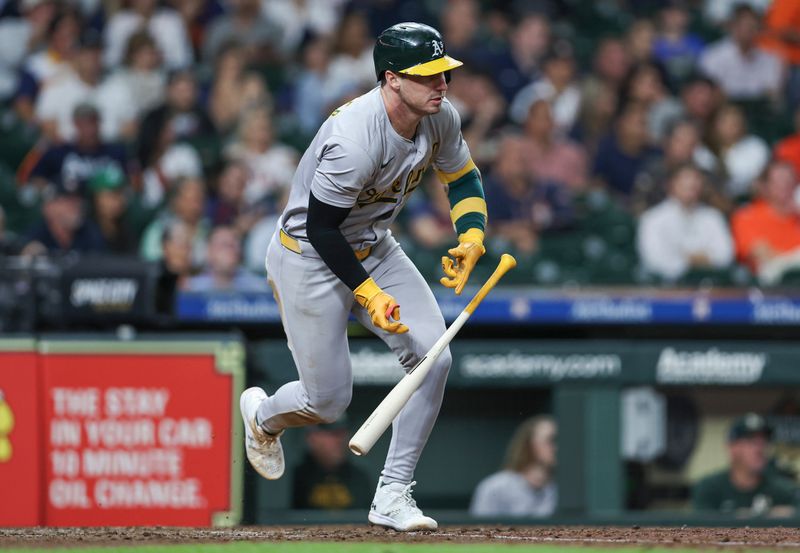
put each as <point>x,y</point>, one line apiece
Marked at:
<point>413,180</point>
<point>372,196</point>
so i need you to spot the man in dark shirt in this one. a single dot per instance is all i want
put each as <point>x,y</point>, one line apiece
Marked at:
<point>74,163</point>
<point>64,226</point>
<point>748,487</point>
<point>326,478</point>
<point>623,152</point>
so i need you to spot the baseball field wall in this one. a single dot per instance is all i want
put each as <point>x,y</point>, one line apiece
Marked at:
<point>120,432</point>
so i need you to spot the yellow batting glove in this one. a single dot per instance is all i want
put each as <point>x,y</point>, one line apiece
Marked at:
<point>464,257</point>
<point>380,306</point>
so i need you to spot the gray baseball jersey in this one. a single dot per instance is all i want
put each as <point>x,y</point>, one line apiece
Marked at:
<point>358,160</point>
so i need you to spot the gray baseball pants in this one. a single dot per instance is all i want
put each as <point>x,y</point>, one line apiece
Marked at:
<point>315,306</point>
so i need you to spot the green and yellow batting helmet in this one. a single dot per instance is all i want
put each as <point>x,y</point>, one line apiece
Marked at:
<point>413,49</point>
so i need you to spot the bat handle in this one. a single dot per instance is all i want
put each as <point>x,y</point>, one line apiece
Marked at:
<point>390,310</point>
<point>507,262</point>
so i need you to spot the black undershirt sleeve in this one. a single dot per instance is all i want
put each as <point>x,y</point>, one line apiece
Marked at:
<point>322,226</point>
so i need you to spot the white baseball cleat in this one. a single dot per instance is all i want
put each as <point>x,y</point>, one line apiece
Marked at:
<point>394,507</point>
<point>264,451</point>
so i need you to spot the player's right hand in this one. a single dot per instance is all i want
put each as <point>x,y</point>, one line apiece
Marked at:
<point>381,307</point>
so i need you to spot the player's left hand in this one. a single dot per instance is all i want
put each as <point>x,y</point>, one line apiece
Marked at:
<point>458,267</point>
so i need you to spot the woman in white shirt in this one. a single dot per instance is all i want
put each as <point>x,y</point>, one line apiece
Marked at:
<point>272,164</point>
<point>165,25</point>
<point>742,156</point>
<point>525,487</point>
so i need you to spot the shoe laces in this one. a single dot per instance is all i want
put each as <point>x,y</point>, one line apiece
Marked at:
<point>262,437</point>
<point>405,496</point>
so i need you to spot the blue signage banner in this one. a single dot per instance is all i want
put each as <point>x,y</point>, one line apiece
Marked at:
<point>527,306</point>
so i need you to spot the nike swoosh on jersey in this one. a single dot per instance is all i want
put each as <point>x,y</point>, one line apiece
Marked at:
<point>387,163</point>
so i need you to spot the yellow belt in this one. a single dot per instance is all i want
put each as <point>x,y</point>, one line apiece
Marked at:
<point>293,245</point>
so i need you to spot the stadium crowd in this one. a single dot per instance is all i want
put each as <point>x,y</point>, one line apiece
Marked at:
<point>624,141</point>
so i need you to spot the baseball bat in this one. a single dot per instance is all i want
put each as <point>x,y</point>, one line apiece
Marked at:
<point>383,415</point>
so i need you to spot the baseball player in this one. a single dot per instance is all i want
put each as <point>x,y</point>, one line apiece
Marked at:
<point>333,254</point>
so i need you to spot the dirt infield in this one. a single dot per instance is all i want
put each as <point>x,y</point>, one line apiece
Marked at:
<point>596,536</point>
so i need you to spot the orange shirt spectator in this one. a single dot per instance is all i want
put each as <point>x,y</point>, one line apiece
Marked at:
<point>766,232</point>
<point>782,30</point>
<point>760,224</point>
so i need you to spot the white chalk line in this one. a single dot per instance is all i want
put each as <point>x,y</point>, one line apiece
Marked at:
<point>611,540</point>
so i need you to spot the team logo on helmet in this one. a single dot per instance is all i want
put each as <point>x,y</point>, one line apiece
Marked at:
<point>438,48</point>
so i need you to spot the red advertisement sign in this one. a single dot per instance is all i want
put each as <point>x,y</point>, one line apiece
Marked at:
<point>20,467</point>
<point>134,439</point>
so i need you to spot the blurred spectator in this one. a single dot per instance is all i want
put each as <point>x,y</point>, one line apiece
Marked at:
<point>54,50</point>
<point>525,487</point>
<point>552,157</point>
<point>244,23</point>
<point>141,77</point>
<point>681,233</point>
<point>640,39</point>
<point>460,25</point>
<point>681,146</point>
<point>746,487</point>
<point>675,48</point>
<point>326,478</point>
<point>352,66</point>
<point>317,17</point>
<point>314,94</point>
<point>519,64</point>
<point>781,36</point>
<point>159,151</point>
<point>428,214</point>
<point>197,16</point>
<point>520,207</point>
<point>701,98</point>
<point>767,231</point>
<point>610,66</point>
<point>600,88</point>
<point>64,226</point>
<point>45,61</point>
<point>227,206</point>
<point>176,264</point>
<point>646,85</point>
<point>186,205</point>
<point>717,12</point>
<point>73,163</point>
<point>19,36</point>
<point>741,156</point>
<point>234,88</point>
<point>164,25</point>
<point>623,152</point>
<point>739,65</point>
<point>257,242</point>
<point>168,162</point>
<point>557,86</point>
<point>482,110</point>
<point>109,196</point>
<point>223,269</point>
<point>181,112</point>
<point>60,95</point>
<point>271,163</point>
<point>788,149</point>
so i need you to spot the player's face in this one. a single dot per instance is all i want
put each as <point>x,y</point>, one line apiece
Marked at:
<point>750,453</point>
<point>423,94</point>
